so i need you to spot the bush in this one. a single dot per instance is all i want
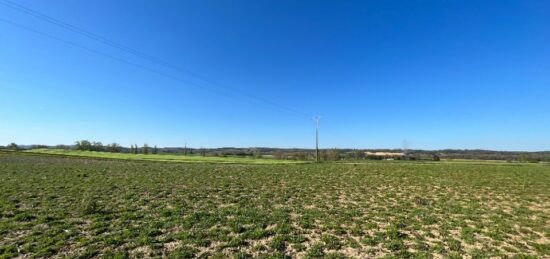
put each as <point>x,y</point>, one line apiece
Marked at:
<point>184,252</point>
<point>316,251</point>
<point>90,206</point>
<point>13,146</point>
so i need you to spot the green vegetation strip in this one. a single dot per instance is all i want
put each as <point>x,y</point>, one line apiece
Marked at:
<point>161,157</point>
<point>53,206</point>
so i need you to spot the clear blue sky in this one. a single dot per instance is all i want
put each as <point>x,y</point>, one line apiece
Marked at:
<point>439,74</point>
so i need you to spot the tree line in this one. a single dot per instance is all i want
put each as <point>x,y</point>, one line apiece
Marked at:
<point>85,145</point>
<point>298,154</point>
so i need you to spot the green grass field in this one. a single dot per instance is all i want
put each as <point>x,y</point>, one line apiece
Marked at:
<point>161,157</point>
<point>53,206</point>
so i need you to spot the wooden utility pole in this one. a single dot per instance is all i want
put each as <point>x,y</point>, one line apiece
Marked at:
<point>316,119</point>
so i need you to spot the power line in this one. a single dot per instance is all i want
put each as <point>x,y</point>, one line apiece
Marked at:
<point>151,70</point>
<point>216,90</point>
<point>140,54</point>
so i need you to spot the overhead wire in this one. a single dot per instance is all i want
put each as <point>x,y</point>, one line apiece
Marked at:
<point>150,58</point>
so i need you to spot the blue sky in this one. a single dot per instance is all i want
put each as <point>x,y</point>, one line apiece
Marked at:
<point>439,74</point>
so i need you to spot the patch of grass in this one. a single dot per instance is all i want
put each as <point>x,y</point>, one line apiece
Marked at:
<point>184,252</point>
<point>331,242</point>
<point>316,251</point>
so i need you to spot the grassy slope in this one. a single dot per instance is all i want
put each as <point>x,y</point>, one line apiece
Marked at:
<point>56,206</point>
<point>161,157</point>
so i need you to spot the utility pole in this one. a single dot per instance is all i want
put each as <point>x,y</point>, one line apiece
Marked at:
<point>317,119</point>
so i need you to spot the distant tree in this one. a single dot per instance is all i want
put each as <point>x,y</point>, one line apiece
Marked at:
<point>97,146</point>
<point>155,150</point>
<point>330,155</point>
<point>114,148</point>
<point>334,155</point>
<point>61,146</point>
<point>527,158</point>
<point>279,154</point>
<point>358,154</point>
<point>39,146</point>
<point>436,157</point>
<point>523,158</point>
<point>13,146</point>
<point>256,153</point>
<point>136,149</point>
<point>300,156</point>
<point>145,149</point>
<point>324,155</point>
<point>84,145</point>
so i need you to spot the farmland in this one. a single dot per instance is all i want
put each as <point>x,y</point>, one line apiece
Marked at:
<point>160,157</point>
<point>53,206</point>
